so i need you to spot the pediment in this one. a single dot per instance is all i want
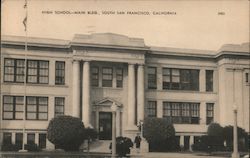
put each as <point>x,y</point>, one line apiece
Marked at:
<point>107,102</point>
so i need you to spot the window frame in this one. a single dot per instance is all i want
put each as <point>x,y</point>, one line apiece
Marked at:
<point>15,67</point>
<point>58,77</point>
<point>209,109</point>
<point>93,80</point>
<point>7,138</point>
<point>56,105</point>
<point>37,105</point>
<point>105,80</point>
<point>209,80</point>
<point>182,112</point>
<point>152,84</point>
<point>14,104</point>
<point>119,82</point>
<point>38,68</point>
<point>33,136</point>
<point>152,109</point>
<point>185,82</point>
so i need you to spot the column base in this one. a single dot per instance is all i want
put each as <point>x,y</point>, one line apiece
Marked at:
<point>235,155</point>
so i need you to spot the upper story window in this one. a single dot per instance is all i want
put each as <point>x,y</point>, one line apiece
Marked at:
<point>209,80</point>
<point>95,76</point>
<point>37,108</point>
<point>182,113</point>
<point>14,70</point>
<point>247,76</point>
<point>38,71</point>
<point>152,109</point>
<point>119,77</point>
<point>12,107</point>
<point>60,73</point>
<point>180,79</point>
<point>210,113</point>
<point>59,106</point>
<point>107,77</point>
<point>152,78</point>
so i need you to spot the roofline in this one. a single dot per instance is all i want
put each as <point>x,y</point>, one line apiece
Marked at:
<point>69,44</point>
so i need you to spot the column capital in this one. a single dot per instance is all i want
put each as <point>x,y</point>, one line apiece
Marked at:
<point>141,65</point>
<point>86,60</point>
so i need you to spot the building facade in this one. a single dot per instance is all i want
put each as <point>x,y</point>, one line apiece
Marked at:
<point>85,76</point>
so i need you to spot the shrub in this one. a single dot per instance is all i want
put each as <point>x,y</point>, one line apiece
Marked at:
<point>9,147</point>
<point>160,134</point>
<point>209,143</point>
<point>66,132</point>
<point>157,129</point>
<point>214,129</point>
<point>90,133</point>
<point>242,137</point>
<point>31,147</point>
<point>123,145</point>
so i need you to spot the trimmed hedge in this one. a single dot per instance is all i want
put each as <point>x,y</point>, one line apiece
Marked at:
<point>66,132</point>
<point>160,134</point>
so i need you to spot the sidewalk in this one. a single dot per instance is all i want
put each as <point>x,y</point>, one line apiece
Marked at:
<point>173,155</point>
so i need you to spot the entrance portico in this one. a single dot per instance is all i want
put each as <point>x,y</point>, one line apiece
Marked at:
<point>123,49</point>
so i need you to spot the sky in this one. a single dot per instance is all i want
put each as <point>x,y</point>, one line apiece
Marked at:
<point>191,24</point>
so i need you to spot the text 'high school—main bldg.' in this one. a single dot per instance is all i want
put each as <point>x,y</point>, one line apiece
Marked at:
<point>83,77</point>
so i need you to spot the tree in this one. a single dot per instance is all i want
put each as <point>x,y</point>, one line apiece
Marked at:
<point>158,132</point>
<point>66,132</point>
<point>215,129</point>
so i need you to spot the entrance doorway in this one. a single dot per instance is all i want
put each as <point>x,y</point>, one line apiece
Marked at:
<point>105,125</point>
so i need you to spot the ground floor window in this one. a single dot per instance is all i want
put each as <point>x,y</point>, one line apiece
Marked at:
<point>19,140</point>
<point>31,138</point>
<point>7,138</point>
<point>42,140</point>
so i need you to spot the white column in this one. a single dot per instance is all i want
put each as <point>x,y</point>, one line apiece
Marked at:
<point>36,138</point>
<point>140,93</point>
<point>191,142</point>
<point>13,137</point>
<point>131,95</point>
<point>86,94</point>
<point>202,80</point>
<point>76,89</point>
<point>118,125</point>
<point>182,141</point>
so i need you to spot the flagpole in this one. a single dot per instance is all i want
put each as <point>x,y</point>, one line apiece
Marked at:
<point>25,72</point>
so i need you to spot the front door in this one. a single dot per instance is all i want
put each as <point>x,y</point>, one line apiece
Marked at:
<point>105,125</point>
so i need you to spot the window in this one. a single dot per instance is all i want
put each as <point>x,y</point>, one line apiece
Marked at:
<point>19,140</point>
<point>12,107</point>
<point>59,106</point>
<point>107,77</point>
<point>119,77</point>
<point>152,78</point>
<point>14,70</point>
<point>31,138</point>
<point>151,109</point>
<point>247,78</point>
<point>37,108</point>
<point>210,113</point>
<point>209,80</point>
<point>6,138</point>
<point>42,141</point>
<point>38,71</point>
<point>182,113</point>
<point>95,76</point>
<point>180,79</point>
<point>60,73</point>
